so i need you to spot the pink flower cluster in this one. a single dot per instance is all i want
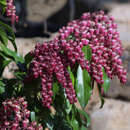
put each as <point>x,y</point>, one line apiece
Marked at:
<point>14,116</point>
<point>97,30</point>
<point>49,61</point>
<point>11,11</point>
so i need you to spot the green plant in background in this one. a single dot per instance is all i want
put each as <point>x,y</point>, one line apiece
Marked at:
<point>55,76</point>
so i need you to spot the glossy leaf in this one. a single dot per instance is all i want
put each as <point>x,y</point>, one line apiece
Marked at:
<point>3,36</point>
<point>28,58</point>
<point>3,65</point>
<point>100,95</point>
<point>6,63</point>
<point>9,53</point>
<point>87,52</point>
<point>87,84</point>
<point>19,75</point>
<point>2,55</point>
<point>2,87</point>
<point>80,87</point>
<point>11,35</point>
<point>83,113</point>
<point>83,128</point>
<point>106,84</point>
<point>102,101</point>
<point>55,89</point>
<point>3,5</point>
<point>83,86</point>
<point>71,37</point>
<point>74,124</point>
<point>68,106</point>
<point>71,75</point>
<point>50,126</point>
<point>32,116</point>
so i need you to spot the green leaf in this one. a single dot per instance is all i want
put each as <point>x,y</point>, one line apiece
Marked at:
<point>80,87</point>
<point>83,128</point>
<point>106,83</point>
<point>83,113</point>
<point>87,52</point>
<point>28,58</point>
<point>13,42</point>
<point>87,85</point>
<point>83,86</point>
<point>55,89</point>
<point>2,87</point>
<point>3,2</point>
<point>100,95</point>
<point>11,35</point>
<point>102,101</point>
<point>71,75</point>
<point>68,106</point>
<point>4,64</point>
<point>2,54</point>
<point>74,124</point>
<point>19,75</point>
<point>32,116</point>
<point>50,126</point>
<point>3,5</point>
<point>71,37</point>
<point>3,37</point>
<point>9,53</point>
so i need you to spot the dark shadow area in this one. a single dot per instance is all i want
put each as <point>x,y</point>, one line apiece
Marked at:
<point>61,18</point>
<point>30,29</point>
<point>119,97</point>
<point>123,1</point>
<point>27,28</point>
<point>122,98</point>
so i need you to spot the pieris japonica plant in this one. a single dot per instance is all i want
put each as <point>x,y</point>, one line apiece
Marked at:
<point>57,74</point>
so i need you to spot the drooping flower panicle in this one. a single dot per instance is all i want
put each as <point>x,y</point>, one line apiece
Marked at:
<point>49,61</point>
<point>11,11</point>
<point>97,30</point>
